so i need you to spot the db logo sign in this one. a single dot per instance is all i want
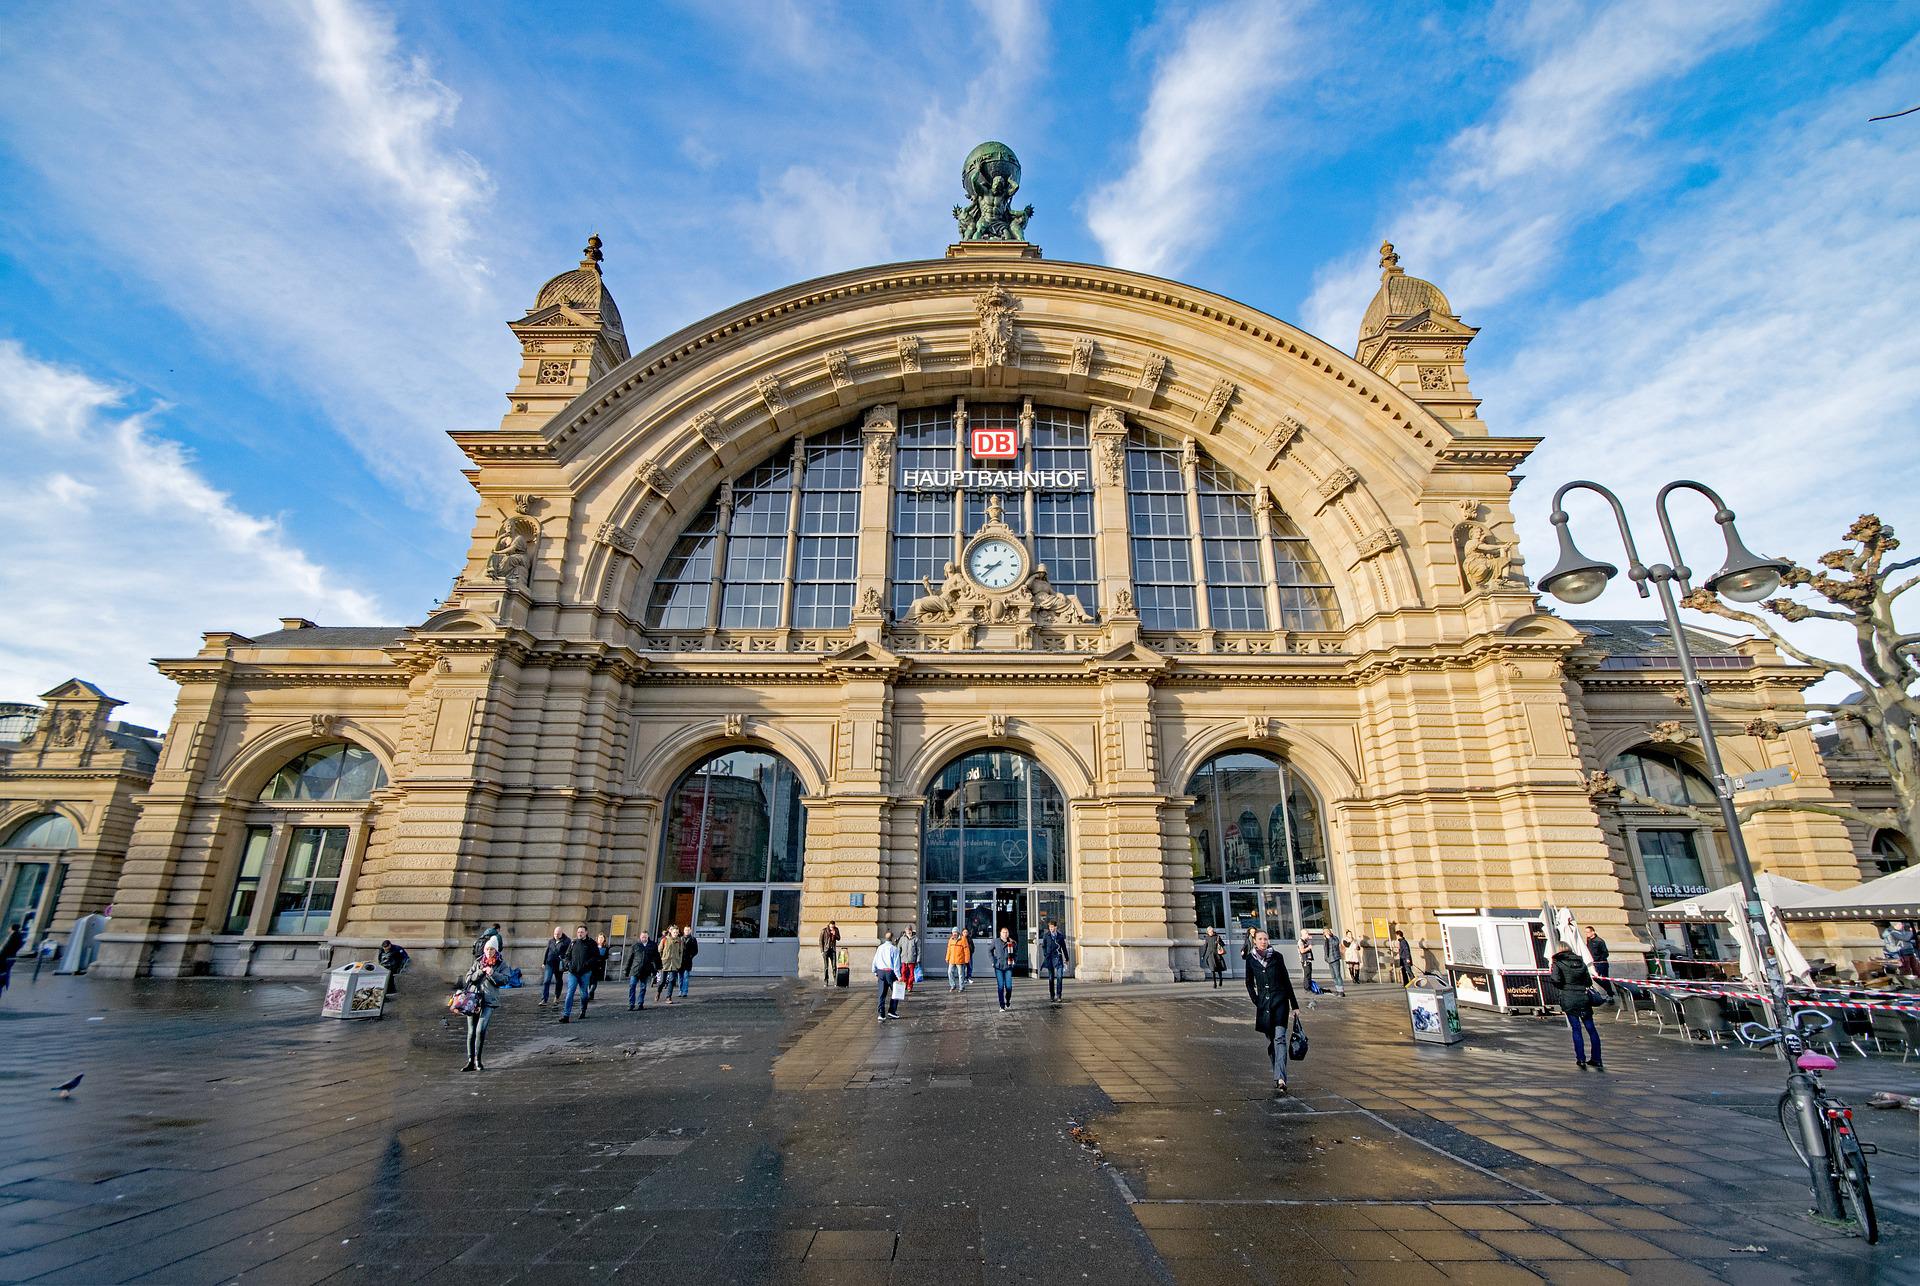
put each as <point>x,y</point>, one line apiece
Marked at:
<point>995,444</point>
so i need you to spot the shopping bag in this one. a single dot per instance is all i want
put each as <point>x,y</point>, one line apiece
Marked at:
<point>1296,1040</point>
<point>899,990</point>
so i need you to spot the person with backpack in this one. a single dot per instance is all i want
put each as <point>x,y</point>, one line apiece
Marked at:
<point>483,983</point>
<point>690,942</point>
<point>643,961</point>
<point>491,938</point>
<point>1270,988</point>
<point>554,965</point>
<point>393,959</point>
<point>830,948</point>
<point>583,957</point>
<point>1570,985</point>
<point>1213,957</point>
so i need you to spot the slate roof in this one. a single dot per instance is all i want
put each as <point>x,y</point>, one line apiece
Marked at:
<point>1643,644</point>
<point>332,636</point>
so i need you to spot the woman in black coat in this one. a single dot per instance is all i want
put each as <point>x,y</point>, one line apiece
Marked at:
<point>1271,989</point>
<point>1213,956</point>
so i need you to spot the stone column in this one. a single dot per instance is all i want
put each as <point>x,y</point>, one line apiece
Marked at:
<point>880,434</point>
<point>1113,561</point>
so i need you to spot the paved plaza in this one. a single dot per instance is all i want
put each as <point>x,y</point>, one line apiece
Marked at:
<point>774,1131</point>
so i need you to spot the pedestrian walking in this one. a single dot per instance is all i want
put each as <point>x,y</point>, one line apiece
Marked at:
<point>483,981</point>
<point>1306,962</point>
<point>393,959</point>
<point>886,971</point>
<point>582,958</point>
<point>1572,989</point>
<point>1003,952</point>
<point>9,950</point>
<point>1332,956</point>
<point>957,952</point>
<point>602,950</point>
<point>1403,953</point>
<point>690,947</point>
<point>1350,952</point>
<point>643,961</point>
<point>1270,988</point>
<point>909,957</point>
<point>673,953</point>
<point>966,965</point>
<point>1598,953</point>
<point>49,948</point>
<point>830,948</point>
<point>1055,960</point>
<point>1213,957</point>
<point>553,966</point>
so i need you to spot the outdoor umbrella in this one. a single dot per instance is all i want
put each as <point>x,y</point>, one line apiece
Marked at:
<point>1891,897</point>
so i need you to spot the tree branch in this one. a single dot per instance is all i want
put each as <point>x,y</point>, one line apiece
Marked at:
<point>1703,601</point>
<point>1878,821</point>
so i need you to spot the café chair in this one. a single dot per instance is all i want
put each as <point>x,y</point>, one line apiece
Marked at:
<point>1665,1011</point>
<point>1903,1030</point>
<point>1704,1016</point>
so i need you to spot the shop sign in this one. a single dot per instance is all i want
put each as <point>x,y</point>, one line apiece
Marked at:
<point>1523,989</point>
<point>1674,892</point>
<point>993,479</point>
<point>994,444</point>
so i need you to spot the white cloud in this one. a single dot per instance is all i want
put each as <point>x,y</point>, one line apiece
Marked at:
<point>1204,117</point>
<point>283,181</point>
<point>124,549</point>
<point>1565,141</point>
<point>821,218</point>
<point>392,112</point>
<point>1761,344</point>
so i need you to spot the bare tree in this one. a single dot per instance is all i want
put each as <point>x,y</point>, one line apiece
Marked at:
<point>1859,586</point>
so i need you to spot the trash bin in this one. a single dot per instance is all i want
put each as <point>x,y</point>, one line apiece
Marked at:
<point>357,990</point>
<point>1435,1008</point>
<point>843,967</point>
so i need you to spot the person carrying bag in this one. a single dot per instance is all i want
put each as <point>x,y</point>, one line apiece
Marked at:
<point>1270,987</point>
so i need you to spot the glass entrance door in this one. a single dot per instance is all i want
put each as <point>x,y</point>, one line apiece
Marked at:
<point>1010,911</point>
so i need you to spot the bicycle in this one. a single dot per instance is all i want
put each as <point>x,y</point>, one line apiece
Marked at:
<point>1833,1154</point>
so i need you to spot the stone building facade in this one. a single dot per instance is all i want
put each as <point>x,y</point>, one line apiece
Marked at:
<point>964,592</point>
<point>70,780</point>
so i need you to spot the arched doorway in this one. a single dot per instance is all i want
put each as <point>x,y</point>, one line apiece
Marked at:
<point>1259,850</point>
<point>993,853</point>
<point>732,856</point>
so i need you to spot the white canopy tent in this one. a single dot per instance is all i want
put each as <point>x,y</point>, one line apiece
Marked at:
<point>1891,897</point>
<point>1725,906</point>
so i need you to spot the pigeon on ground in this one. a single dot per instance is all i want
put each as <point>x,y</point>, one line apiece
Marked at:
<point>66,1091</point>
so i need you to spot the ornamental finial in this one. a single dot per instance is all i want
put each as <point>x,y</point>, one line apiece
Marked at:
<point>1389,261</point>
<point>591,256</point>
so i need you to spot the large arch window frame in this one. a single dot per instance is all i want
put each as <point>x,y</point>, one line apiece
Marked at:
<point>709,875</point>
<point>301,840</point>
<point>37,854</point>
<point>1259,848</point>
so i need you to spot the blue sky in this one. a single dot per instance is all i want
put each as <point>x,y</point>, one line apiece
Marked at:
<point>255,259</point>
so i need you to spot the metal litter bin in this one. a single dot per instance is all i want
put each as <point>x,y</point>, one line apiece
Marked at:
<point>843,967</point>
<point>1434,1007</point>
<point>357,990</point>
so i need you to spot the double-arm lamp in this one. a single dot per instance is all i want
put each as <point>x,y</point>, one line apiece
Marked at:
<point>1744,577</point>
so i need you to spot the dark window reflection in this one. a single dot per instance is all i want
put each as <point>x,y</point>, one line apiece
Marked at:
<point>994,817</point>
<point>736,819</point>
<point>1254,823</point>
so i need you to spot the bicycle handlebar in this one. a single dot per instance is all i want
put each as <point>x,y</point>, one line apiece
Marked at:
<point>1805,1022</point>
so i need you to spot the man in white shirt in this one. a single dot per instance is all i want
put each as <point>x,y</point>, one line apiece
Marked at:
<point>886,967</point>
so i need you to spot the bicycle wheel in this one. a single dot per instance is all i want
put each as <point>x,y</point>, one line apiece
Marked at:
<point>1850,1167</point>
<point>1790,1125</point>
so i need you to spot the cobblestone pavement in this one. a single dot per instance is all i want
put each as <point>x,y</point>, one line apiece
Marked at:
<point>773,1131</point>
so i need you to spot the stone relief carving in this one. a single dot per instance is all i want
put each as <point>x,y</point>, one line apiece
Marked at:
<point>711,430</point>
<point>1380,542</point>
<point>612,534</point>
<point>1434,379</point>
<point>771,394</point>
<point>1110,456</point>
<point>1669,732</point>
<point>1189,457</point>
<point>870,603</point>
<point>1123,602</point>
<point>1152,372</point>
<point>839,367</point>
<point>955,596</point>
<point>64,729</point>
<point>656,478</point>
<point>1216,404</point>
<point>1262,727</point>
<point>512,556</point>
<point>735,725</point>
<point>1280,438</point>
<point>321,725</point>
<point>1048,605</point>
<point>1081,363</point>
<point>909,347</point>
<point>1335,485</point>
<point>996,724</point>
<point>879,456</point>
<point>555,372</point>
<point>1109,419</point>
<point>993,338</point>
<point>1486,561</point>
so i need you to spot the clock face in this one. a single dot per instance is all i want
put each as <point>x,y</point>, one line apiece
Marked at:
<point>996,564</point>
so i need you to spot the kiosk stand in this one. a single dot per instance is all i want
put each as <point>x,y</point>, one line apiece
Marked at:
<point>1497,957</point>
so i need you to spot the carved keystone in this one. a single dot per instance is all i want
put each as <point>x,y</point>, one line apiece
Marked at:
<point>1145,388</point>
<point>1207,418</point>
<point>1275,444</point>
<point>1335,485</point>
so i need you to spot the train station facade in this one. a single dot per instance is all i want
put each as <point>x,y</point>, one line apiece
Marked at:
<point>968,592</point>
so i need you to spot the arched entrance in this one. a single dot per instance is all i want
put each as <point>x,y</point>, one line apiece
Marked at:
<point>1259,850</point>
<point>993,853</point>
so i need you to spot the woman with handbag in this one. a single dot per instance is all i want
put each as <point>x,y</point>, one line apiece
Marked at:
<point>478,997</point>
<point>1270,987</point>
<point>1213,954</point>
<point>1004,953</point>
<point>1570,986</point>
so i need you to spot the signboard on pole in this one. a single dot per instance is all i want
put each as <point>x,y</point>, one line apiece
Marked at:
<point>1765,779</point>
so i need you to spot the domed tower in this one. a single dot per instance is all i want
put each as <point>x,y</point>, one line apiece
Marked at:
<point>569,338</point>
<point>1412,336</point>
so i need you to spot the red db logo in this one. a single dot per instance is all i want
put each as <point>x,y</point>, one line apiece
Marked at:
<point>995,444</point>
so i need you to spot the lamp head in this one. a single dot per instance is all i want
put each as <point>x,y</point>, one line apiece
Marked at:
<point>1576,578</point>
<point>1745,577</point>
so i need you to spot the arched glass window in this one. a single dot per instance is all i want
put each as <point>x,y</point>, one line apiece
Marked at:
<point>1890,852</point>
<point>1259,847</point>
<point>1661,777</point>
<point>328,773</point>
<point>734,848</point>
<point>740,544</point>
<point>994,817</point>
<point>1161,522</point>
<point>48,830</point>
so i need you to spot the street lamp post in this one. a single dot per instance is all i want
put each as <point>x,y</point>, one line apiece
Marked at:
<point>1744,577</point>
